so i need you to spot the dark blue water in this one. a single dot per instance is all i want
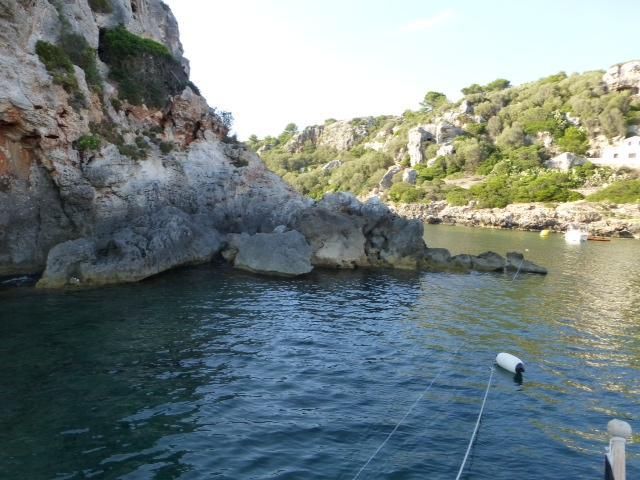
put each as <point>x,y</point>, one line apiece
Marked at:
<point>211,373</point>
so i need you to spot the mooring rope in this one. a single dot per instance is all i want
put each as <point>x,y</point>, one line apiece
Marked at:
<point>518,271</point>
<point>413,405</point>
<point>475,430</point>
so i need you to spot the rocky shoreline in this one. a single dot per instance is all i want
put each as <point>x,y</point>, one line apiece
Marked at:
<point>597,218</point>
<point>98,186</point>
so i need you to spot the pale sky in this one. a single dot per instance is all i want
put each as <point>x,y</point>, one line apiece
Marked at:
<point>271,62</point>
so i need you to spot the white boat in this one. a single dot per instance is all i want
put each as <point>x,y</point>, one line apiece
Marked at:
<point>575,236</point>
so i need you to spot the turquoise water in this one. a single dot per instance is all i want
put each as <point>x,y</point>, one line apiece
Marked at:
<point>212,373</point>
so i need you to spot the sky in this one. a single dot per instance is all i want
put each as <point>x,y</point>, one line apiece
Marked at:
<point>272,62</point>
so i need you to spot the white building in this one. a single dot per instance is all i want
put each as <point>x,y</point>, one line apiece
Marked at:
<point>625,154</point>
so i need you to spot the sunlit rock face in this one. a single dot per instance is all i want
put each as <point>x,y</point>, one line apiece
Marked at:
<point>148,158</point>
<point>624,76</point>
<point>114,168</point>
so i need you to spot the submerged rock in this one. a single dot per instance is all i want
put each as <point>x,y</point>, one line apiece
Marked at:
<point>441,259</point>
<point>280,253</point>
<point>488,262</point>
<point>516,262</point>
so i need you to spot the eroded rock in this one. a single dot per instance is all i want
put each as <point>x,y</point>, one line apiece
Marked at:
<point>150,245</point>
<point>279,253</point>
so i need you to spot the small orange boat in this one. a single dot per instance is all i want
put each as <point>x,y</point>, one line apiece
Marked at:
<point>593,238</point>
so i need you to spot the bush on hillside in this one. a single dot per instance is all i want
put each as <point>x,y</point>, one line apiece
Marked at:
<point>405,193</point>
<point>511,137</point>
<point>574,140</point>
<point>624,191</point>
<point>459,197</point>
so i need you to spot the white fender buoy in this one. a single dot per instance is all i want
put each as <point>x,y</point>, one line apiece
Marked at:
<point>510,363</point>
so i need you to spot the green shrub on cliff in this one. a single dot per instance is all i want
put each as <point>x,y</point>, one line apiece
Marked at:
<point>88,142</point>
<point>58,64</point>
<point>101,6</point>
<point>624,191</point>
<point>81,54</point>
<point>145,70</point>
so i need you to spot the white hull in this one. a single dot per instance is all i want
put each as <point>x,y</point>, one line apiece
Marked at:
<point>575,237</point>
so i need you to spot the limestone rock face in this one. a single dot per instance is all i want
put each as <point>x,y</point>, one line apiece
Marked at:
<point>380,142</point>
<point>336,239</point>
<point>96,189</point>
<point>445,150</point>
<point>387,179</point>
<point>331,166</point>
<point>148,159</point>
<point>565,161</point>
<point>417,136</point>
<point>279,253</point>
<point>409,175</point>
<point>346,233</point>
<point>623,76</point>
<point>442,132</point>
<point>339,135</point>
<point>152,244</point>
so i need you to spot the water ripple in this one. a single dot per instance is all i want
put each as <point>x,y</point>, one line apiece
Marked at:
<point>209,373</point>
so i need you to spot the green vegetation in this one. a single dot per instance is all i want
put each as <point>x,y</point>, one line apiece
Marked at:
<point>108,131</point>
<point>496,85</point>
<point>507,136</point>
<point>145,71</point>
<point>116,103</point>
<point>58,65</point>
<point>88,142</point>
<point>101,6</point>
<point>72,49</point>
<point>574,140</point>
<point>433,100</point>
<point>624,191</point>
<point>166,147</point>
<point>81,54</point>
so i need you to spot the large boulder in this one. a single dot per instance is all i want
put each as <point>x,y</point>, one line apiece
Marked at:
<point>336,238</point>
<point>387,179</point>
<point>565,161</point>
<point>395,242</point>
<point>409,175</point>
<point>279,253</point>
<point>436,258</point>
<point>417,137</point>
<point>150,245</point>
<point>390,240</point>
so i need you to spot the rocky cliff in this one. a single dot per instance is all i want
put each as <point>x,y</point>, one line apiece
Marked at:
<point>114,168</point>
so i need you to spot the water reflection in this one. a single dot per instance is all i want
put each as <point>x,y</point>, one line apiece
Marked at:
<point>213,373</point>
